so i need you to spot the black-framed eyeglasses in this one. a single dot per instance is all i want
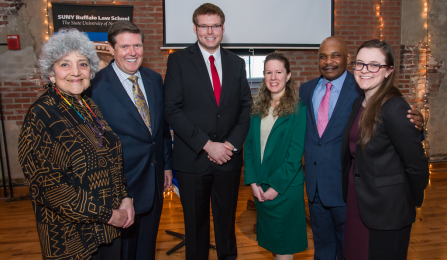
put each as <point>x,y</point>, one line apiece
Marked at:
<point>372,67</point>
<point>216,27</point>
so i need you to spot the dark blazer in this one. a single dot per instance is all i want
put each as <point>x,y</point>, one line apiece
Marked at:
<point>322,155</point>
<point>391,172</point>
<point>192,111</point>
<point>145,156</point>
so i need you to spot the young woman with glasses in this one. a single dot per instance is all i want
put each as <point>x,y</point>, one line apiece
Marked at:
<point>385,170</point>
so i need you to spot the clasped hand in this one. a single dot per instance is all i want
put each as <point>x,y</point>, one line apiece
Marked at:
<point>262,196</point>
<point>124,216</point>
<point>219,153</point>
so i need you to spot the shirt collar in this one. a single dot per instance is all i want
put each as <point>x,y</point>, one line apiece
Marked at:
<point>338,82</point>
<point>206,55</point>
<point>124,75</point>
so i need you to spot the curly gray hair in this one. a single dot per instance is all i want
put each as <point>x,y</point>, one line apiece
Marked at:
<point>61,45</point>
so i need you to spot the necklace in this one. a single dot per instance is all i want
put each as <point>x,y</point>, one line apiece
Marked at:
<point>99,131</point>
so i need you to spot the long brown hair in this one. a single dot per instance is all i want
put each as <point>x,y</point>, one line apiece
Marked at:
<point>371,115</point>
<point>263,100</point>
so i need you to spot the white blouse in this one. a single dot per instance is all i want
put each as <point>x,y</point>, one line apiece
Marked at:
<point>266,126</point>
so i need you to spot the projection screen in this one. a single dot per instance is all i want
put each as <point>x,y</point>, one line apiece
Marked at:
<point>255,23</point>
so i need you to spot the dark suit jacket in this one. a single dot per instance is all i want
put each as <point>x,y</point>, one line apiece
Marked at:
<point>145,157</point>
<point>391,172</point>
<point>322,155</point>
<point>192,111</point>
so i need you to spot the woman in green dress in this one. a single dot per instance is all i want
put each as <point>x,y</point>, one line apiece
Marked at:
<point>273,166</point>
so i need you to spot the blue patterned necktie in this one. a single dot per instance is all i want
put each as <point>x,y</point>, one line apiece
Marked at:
<point>140,103</point>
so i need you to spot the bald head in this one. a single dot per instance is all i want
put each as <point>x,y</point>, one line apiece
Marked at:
<point>333,58</point>
<point>335,40</point>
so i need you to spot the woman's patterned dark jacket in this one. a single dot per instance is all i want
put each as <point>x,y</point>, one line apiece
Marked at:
<point>74,183</point>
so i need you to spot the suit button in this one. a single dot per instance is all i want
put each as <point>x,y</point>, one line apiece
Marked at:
<point>218,116</point>
<point>214,135</point>
<point>315,163</point>
<point>319,145</point>
<point>357,175</point>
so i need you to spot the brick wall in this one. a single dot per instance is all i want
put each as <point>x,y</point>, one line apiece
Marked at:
<point>3,17</point>
<point>420,72</point>
<point>17,96</point>
<point>8,7</point>
<point>4,8</point>
<point>420,76</point>
<point>355,22</point>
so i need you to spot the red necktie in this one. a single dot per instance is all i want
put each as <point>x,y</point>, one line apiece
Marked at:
<point>216,80</point>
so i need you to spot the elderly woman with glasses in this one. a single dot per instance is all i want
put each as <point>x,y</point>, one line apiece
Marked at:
<point>385,170</point>
<point>72,159</point>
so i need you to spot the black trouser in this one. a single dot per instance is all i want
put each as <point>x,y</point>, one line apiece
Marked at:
<point>389,244</point>
<point>196,189</point>
<point>110,251</point>
<point>139,240</point>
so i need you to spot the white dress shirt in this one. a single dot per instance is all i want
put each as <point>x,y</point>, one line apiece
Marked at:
<point>127,84</point>
<point>217,62</point>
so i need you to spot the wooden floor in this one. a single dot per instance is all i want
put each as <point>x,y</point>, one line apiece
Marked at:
<point>19,240</point>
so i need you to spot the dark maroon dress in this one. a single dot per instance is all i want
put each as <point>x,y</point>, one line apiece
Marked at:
<point>356,233</point>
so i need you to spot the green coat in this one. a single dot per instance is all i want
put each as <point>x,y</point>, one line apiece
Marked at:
<point>282,164</point>
<point>281,223</point>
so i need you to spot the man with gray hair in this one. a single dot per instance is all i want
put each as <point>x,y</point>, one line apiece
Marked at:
<point>131,100</point>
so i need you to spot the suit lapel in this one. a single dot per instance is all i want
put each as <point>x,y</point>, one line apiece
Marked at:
<point>257,141</point>
<point>347,90</point>
<point>199,63</point>
<point>149,89</point>
<point>279,121</point>
<point>355,109</point>
<point>311,107</point>
<point>225,74</point>
<point>117,89</point>
<point>354,112</point>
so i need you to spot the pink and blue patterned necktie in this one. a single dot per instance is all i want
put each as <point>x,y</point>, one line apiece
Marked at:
<point>323,110</point>
<point>140,103</point>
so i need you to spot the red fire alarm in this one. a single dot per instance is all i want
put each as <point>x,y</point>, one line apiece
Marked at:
<point>13,42</point>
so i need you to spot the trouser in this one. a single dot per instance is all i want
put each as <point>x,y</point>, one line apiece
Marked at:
<point>196,189</point>
<point>110,251</point>
<point>328,225</point>
<point>139,240</point>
